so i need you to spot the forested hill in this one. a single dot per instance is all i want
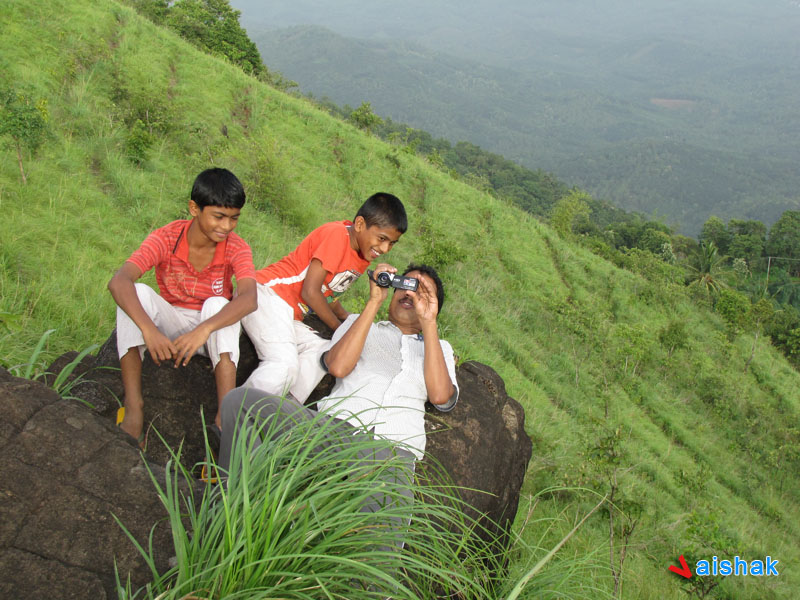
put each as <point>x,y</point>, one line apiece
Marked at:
<point>662,116</point>
<point>631,384</point>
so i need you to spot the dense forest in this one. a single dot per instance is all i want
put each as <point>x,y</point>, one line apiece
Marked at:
<point>680,110</point>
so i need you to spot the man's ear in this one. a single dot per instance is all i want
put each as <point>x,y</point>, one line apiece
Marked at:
<point>194,208</point>
<point>360,224</point>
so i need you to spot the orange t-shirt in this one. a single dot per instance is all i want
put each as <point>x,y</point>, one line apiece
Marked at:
<point>167,250</point>
<point>330,244</point>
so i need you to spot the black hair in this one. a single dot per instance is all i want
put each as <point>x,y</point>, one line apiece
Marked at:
<point>218,187</point>
<point>384,210</point>
<point>430,272</point>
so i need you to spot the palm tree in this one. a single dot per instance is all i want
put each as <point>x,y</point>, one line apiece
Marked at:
<point>706,269</point>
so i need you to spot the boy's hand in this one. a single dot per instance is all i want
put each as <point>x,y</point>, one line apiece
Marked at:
<point>377,293</point>
<point>159,345</point>
<point>426,304</point>
<point>189,343</point>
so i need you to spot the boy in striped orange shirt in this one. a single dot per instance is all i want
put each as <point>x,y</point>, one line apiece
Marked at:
<point>195,261</point>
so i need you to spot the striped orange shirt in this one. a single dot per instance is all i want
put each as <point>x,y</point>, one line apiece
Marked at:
<point>167,249</point>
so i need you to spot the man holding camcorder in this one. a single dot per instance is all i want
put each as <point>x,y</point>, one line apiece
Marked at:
<point>384,371</point>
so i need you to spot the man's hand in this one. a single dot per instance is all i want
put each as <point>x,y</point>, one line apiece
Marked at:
<point>189,343</point>
<point>159,345</point>
<point>377,293</point>
<point>426,304</point>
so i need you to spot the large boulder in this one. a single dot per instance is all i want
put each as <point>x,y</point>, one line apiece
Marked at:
<point>69,469</point>
<point>482,446</point>
<point>68,474</point>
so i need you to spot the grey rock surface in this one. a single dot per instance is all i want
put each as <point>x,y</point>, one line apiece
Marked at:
<point>68,471</point>
<point>68,475</point>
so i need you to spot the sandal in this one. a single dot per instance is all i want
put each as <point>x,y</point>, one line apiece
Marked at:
<point>121,417</point>
<point>204,477</point>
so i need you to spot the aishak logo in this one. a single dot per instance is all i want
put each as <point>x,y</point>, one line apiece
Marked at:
<point>684,571</point>
<point>736,567</point>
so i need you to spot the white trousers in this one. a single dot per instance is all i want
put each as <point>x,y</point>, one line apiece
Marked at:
<point>174,321</point>
<point>288,350</point>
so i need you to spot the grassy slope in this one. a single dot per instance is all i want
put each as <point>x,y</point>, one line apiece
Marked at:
<point>520,299</point>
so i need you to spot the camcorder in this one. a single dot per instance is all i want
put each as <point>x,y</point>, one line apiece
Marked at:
<point>401,282</point>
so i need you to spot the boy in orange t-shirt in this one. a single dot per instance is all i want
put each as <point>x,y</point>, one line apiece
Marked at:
<point>194,261</point>
<point>324,265</point>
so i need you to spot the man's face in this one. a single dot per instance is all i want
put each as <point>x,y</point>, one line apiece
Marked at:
<point>401,309</point>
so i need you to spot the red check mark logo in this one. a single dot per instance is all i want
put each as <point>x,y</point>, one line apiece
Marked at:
<point>685,571</point>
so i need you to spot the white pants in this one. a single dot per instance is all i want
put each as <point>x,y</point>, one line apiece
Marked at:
<point>288,350</point>
<point>174,321</point>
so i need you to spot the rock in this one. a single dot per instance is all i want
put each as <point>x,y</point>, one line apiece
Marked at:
<point>483,447</point>
<point>68,468</point>
<point>174,398</point>
<point>67,473</point>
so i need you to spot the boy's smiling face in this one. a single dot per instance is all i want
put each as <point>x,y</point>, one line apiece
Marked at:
<point>214,222</point>
<point>372,241</point>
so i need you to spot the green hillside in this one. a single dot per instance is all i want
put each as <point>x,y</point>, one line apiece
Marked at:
<point>628,381</point>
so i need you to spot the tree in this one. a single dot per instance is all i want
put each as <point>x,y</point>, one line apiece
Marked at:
<point>624,513</point>
<point>214,26</point>
<point>714,231</point>
<point>747,227</point>
<point>747,239</point>
<point>706,267</point>
<point>24,121</point>
<point>784,329</point>
<point>673,336</point>
<point>784,237</point>
<point>567,210</point>
<point>742,315</point>
<point>364,118</point>
<point>653,240</point>
<point>155,10</point>
<point>734,307</point>
<point>759,313</point>
<point>784,288</point>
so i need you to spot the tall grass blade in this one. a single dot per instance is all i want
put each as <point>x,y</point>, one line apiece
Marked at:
<point>30,365</point>
<point>517,590</point>
<point>289,522</point>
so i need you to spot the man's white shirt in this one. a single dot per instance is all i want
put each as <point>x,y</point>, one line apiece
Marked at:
<point>385,392</point>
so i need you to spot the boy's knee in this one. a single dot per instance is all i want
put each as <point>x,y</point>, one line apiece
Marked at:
<point>273,376</point>
<point>235,396</point>
<point>147,298</point>
<point>143,290</point>
<point>212,306</point>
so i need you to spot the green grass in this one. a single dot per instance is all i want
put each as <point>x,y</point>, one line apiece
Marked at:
<point>575,338</point>
<point>287,522</point>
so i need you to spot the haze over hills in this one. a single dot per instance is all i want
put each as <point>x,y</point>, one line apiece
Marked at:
<point>670,109</point>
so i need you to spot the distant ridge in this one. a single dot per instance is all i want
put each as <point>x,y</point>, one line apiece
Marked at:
<point>578,126</point>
